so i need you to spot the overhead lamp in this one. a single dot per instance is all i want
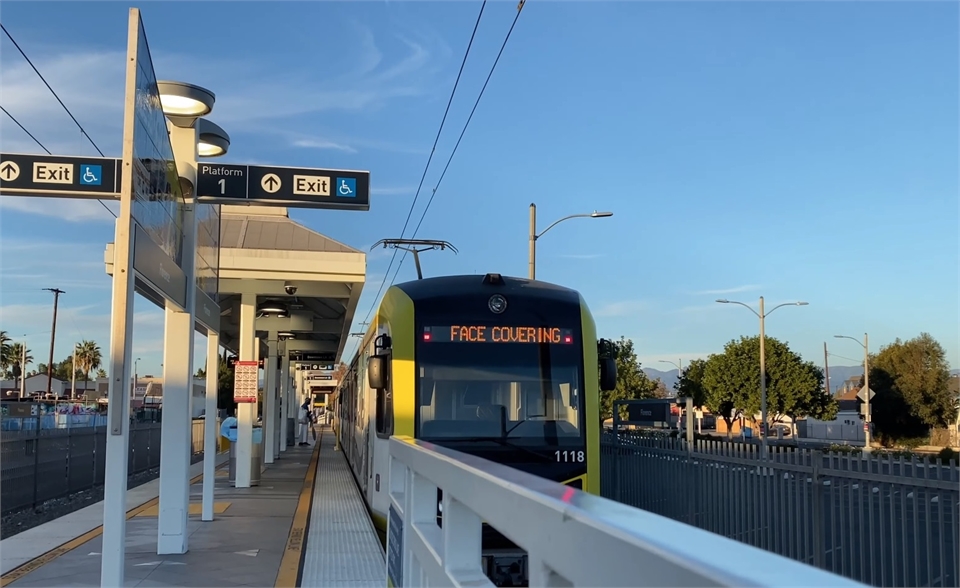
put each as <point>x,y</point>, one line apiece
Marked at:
<point>212,140</point>
<point>272,307</point>
<point>596,214</point>
<point>286,335</point>
<point>183,99</point>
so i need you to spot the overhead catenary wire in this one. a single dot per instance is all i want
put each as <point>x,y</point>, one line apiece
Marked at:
<point>55,95</point>
<point>433,150</point>
<point>24,129</point>
<point>462,132</point>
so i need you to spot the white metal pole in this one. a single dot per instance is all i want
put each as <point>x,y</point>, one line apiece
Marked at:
<point>73,373</point>
<point>763,386</point>
<point>246,411</point>
<point>284,395</point>
<point>532,262</point>
<point>23,369</point>
<point>117,452</point>
<point>866,385</point>
<point>269,396</point>
<point>210,428</point>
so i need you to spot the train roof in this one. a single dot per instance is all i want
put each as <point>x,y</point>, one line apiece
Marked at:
<point>471,285</point>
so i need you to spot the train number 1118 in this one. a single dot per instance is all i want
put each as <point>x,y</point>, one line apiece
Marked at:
<point>569,456</point>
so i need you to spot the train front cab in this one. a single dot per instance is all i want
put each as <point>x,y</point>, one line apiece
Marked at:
<point>480,388</point>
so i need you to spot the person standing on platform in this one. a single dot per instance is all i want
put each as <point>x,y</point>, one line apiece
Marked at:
<point>306,420</point>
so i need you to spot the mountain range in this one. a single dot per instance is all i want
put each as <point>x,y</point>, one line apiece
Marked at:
<point>838,375</point>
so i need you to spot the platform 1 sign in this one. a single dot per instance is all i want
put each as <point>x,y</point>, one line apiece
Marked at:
<point>283,186</point>
<point>58,175</point>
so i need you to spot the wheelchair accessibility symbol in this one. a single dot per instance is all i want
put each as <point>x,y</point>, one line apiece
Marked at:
<point>91,175</point>
<point>347,187</point>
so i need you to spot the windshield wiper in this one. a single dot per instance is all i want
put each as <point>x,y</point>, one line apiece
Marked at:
<point>498,440</point>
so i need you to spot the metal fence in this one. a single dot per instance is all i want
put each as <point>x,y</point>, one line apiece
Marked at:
<point>881,520</point>
<point>58,462</point>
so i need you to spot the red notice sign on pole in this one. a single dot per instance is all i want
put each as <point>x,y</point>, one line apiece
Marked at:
<point>246,381</point>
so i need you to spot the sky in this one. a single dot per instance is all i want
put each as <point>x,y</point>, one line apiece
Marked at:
<point>796,151</point>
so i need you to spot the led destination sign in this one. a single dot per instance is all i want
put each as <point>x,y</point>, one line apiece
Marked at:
<point>497,334</point>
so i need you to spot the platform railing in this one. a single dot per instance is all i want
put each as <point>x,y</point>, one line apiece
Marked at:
<point>571,538</point>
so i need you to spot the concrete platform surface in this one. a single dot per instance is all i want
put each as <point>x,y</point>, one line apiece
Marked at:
<point>32,543</point>
<point>243,546</point>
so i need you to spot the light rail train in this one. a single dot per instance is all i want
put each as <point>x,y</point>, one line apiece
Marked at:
<point>504,368</point>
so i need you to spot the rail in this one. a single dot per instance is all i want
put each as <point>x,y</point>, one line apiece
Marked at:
<point>571,538</point>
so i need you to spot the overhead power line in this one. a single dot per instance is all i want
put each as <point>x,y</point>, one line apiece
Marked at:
<point>24,129</point>
<point>55,95</point>
<point>462,132</point>
<point>476,25</point>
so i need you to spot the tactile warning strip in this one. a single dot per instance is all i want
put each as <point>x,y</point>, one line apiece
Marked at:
<point>343,549</point>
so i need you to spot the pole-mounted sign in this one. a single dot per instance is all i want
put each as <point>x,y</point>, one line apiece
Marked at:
<point>282,186</point>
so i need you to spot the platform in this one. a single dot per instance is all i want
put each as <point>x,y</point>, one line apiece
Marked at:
<point>304,525</point>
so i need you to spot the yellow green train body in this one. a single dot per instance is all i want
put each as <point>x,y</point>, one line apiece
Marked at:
<point>499,367</point>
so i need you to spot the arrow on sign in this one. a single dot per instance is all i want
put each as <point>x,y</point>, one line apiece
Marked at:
<point>270,183</point>
<point>10,171</point>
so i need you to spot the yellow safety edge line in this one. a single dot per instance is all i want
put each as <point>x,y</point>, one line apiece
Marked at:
<point>288,575</point>
<point>42,560</point>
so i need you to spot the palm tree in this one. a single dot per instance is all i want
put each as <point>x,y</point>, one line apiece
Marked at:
<point>88,358</point>
<point>16,357</point>
<point>4,352</point>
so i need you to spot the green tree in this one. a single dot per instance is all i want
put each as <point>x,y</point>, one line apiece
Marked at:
<point>6,361</point>
<point>16,357</point>
<point>89,358</point>
<point>632,382</point>
<point>794,387</point>
<point>690,383</point>
<point>225,385</point>
<point>911,380</point>
<point>101,373</point>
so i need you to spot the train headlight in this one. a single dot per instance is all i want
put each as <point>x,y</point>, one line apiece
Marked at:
<point>497,304</point>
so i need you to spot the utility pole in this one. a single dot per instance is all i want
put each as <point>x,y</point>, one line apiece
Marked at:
<point>23,369</point>
<point>826,370</point>
<point>53,335</point>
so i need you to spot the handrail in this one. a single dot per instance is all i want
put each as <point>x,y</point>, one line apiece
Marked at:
<point>572,538</point>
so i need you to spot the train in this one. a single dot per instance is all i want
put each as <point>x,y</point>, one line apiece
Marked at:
<point>505,368</point>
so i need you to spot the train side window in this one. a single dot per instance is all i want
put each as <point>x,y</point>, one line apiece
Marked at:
<point>384,417</point>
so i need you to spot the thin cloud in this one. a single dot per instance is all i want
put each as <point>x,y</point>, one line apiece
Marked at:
<point>581,255</point>
<point>323,144</point>
<point>67,209</point>
<point>745,288</point>
<point>620,309</point>
<point>659,361</point>
<point>392,191</point>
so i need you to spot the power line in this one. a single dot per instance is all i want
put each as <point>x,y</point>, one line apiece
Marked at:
<point>24,129</point>
<point>462,132</point>
<point>82,130</point>
<point>430,158</point>
<point>55,95</point>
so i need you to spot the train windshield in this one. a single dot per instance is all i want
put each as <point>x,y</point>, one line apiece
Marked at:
<point>527,388</point>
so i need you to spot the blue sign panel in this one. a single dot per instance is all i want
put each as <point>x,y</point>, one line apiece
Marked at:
<point>395,549</point>
<point>347,187</point>
<point>91,175</point>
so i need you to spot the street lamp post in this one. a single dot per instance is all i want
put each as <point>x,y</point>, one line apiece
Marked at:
<point>866,386</point>
<point>762,315</point>
<point>534,236</point>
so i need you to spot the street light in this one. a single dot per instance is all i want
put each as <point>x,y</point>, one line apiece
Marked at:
<point>763,362</point>
<point>534,236</point>
<point>183,99</point>
<point>866,386</point>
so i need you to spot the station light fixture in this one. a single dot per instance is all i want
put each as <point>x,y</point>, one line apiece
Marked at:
<point>596,214</point>
<point>213,140</point>
<point>286,335</point>
<point>272,307</point>
<point>183,99</point>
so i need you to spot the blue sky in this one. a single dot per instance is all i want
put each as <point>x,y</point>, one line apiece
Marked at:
<point>792,150</point>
